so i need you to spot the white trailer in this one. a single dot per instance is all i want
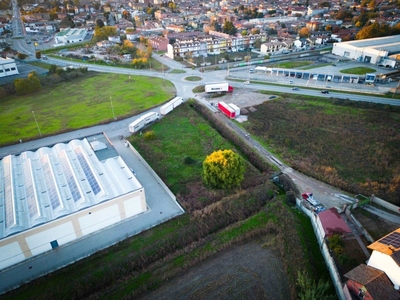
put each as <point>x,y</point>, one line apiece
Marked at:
<point>218,87</point>
<point>177,101</point>
<point>136,125</point>
<point>166,108</point>
<point>235,108</point>
<point>150,117</point>
<point>170,105</point>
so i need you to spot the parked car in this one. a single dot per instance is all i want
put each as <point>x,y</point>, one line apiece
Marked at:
<point>246,82</point>
<point>251,71</point>
<point>325,92</point>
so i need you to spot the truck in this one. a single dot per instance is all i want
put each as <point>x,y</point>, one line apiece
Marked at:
<point>227,110</point>
<point>218,87</point>
<point>138,124</point>
<point>177,101</point>
<point>235,108</point>
<point>170,105</point>
<point>150,117</point>
<point>166,108</point>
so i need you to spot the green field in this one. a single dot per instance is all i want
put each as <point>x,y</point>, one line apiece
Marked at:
<point>79,103</point>
<point>291,64</point>
<point>358,71</point>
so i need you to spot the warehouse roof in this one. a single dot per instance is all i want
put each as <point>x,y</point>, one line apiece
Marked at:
<point>39,186</point>
<point>387,43</point>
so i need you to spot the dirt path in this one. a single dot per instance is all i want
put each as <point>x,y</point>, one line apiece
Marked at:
<point>246,271</point>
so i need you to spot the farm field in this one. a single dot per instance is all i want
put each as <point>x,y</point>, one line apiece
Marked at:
<point>218,226</point>
<point>350,147</point>
<point>79,103</point>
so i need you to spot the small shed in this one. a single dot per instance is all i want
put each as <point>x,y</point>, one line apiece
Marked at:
<point>330,222</point>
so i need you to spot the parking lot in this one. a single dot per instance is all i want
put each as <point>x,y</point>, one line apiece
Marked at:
<point>290,77</point>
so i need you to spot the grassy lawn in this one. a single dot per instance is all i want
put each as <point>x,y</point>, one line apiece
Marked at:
<point>193,78</point>
<point>40,64</point>
<point>291,64</point>
<point>177,71</point>
<point>79,103</point>
<point>358,71</point>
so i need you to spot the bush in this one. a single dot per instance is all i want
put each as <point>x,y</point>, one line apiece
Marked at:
<point>149,135</point>
<point>3,93</point>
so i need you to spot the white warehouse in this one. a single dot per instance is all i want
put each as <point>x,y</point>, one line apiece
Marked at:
<point>375,51</point>
<point>56,195</point>
<point>70,35</point>
<point>8,67</point>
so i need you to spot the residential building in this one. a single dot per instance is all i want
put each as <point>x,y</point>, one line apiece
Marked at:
<point>159,43</point>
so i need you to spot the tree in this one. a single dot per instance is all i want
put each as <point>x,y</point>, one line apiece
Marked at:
<point>257,44</point>
<point>53,16</point>
<point>229,28</point>
<point>21,55</point>
<point>99,23</point>
<point>28,85</point>
<point>104,32</point>
<point>304,32</point>
<point>223,169</point>
<point>214,26</point>
<point>38,55</point>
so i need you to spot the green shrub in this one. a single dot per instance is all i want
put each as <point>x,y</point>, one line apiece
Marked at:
<point>149,135</point>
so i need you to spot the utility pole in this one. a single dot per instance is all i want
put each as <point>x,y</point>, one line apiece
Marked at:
<point>33,113</point>
<point>112,108</point>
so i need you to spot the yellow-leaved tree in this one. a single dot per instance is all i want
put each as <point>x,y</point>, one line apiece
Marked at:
<point>223,169</point>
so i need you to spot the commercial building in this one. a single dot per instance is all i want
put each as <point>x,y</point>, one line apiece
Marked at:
<point>8,67</point>
<point>70,35</point>
<point>60,194</point>
<point>379,51</point>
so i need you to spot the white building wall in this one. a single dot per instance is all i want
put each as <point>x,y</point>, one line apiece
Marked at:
<point>10,254</point>
<point>35,241</point>
<point>386,264</point>
<point>97,220</point>
<point>40,242</point>
<point>8,67</point>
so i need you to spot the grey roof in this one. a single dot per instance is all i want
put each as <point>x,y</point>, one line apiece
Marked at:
<point>39,186</point>
<point>388,43</point>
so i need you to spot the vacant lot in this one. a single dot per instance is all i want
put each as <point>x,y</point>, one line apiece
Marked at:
<point>79,103</point>
<point>247,271</point>
<point>356,149</point>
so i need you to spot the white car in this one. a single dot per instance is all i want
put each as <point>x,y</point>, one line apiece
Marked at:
<point>246,82</point>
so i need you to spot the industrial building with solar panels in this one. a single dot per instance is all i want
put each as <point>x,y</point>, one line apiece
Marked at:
<point>56,195</point>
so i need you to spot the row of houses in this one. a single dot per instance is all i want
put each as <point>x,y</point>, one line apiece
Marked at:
<point>213,44</point>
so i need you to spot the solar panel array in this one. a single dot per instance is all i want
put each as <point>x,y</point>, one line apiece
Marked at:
<point>9,203</point>
<point>73,187</point>
<point>50,183</point>
<point>33,205</point>
<point>88,171</point>
<point>392,239</point>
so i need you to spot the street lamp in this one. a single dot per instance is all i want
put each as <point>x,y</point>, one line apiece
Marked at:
<point>33,113</point>
<point>112,108</point>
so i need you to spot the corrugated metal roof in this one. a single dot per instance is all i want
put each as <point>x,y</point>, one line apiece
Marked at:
<point>39,186</point>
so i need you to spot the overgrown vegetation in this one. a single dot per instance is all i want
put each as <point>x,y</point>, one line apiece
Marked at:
<point>352,145</point>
